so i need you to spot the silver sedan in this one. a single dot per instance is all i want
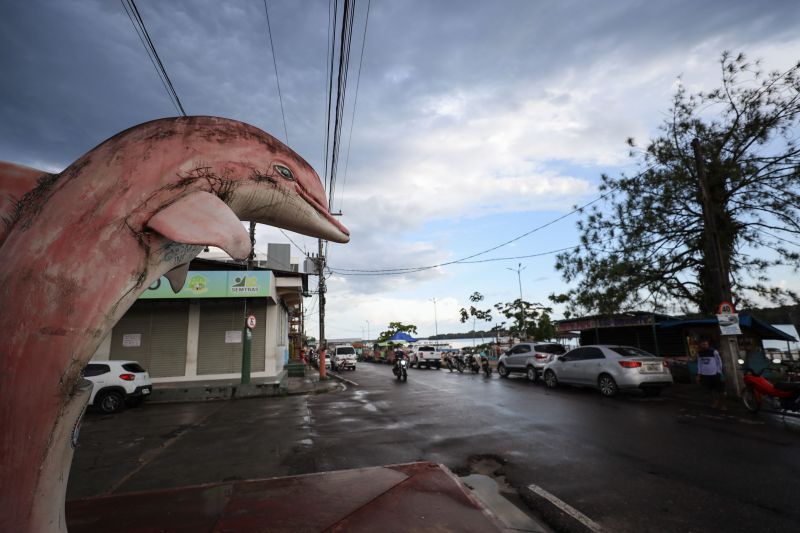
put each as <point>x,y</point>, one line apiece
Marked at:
<point>609,368</point>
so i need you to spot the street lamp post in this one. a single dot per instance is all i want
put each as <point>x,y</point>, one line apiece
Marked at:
<point>435,318</point>
<point>518,270</point>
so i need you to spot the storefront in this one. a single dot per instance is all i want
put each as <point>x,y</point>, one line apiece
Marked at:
<point>676,339</point>
<point>196,334</point>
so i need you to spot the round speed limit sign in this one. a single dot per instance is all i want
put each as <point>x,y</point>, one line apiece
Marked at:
<point>251,321</point>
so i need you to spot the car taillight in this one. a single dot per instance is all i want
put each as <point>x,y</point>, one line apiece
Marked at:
<point>665,363</point>
<point>127,377</point>
<point>630,364</point>
<point>537,356</point>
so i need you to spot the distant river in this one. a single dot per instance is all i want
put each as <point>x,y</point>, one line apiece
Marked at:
<point>466,342</point>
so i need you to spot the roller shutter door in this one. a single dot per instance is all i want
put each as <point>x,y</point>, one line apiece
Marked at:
<point>160,327</point>
<point>214,355</point>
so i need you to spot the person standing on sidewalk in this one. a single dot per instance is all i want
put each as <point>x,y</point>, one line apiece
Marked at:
<point>709,373</point>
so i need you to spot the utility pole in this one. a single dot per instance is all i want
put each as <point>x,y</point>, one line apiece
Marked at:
<point>435,318</point>
<point>718,268</point>
<point>518,270</point>
<point>367,330</point>
<point>247,335</point>
<point>321,287</point>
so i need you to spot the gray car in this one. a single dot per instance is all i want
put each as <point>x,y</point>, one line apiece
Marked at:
<point>609,368</point>
<point>529,358</point>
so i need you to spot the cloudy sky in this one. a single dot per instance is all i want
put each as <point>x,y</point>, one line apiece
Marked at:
<point>476,121</point>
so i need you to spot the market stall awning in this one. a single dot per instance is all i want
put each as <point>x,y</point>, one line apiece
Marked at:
<point>763,329</point>
<point>401,336</point>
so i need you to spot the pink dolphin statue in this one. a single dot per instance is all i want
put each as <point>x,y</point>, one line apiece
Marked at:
<point>79,247</point>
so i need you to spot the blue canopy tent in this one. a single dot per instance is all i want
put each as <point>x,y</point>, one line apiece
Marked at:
<point>401,336</point>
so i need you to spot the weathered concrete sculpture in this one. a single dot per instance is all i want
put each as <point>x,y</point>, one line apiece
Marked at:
<point>79,247</point>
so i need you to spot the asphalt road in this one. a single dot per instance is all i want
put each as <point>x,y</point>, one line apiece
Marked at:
<point>630,464</point>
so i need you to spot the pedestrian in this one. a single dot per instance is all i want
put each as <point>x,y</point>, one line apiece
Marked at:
<point>709,373</point>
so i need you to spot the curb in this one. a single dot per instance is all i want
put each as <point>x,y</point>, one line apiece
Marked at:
<point>557,514</point>
<point>337,376</point>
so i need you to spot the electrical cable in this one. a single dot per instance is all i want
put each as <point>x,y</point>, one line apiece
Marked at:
<point>355,104</point>
<point>152,49</point>
<point>277,77</point>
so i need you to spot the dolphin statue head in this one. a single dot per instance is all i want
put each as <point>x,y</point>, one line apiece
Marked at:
<point>80,246</point>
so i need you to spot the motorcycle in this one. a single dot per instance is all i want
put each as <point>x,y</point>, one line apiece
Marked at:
<point>487,369</point>
<point>455,362</point>
<point>400,370</point>
<point>473,364</point>
<point>758,390</point>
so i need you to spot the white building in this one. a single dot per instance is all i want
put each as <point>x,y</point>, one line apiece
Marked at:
<point>196,334</point>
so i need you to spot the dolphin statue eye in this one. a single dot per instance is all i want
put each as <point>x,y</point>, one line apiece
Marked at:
<point>285,172</point>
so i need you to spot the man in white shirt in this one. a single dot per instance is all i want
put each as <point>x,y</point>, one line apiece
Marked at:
<point>709,373</point>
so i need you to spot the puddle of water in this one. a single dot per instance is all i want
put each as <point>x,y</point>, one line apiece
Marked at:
<point>306,442</point>
<point>488,492</point>
<point>371,408</point>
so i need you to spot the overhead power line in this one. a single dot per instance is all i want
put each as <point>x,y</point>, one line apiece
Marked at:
<point>141,30</point>
<point>345,39</point>
<point>277,77</point>
<point>408,270</point>
<point>355,103</point>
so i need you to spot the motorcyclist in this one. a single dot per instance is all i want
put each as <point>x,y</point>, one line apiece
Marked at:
<point>398,356</point>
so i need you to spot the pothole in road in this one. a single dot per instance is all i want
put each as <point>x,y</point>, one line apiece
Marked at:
<point>484,476</point>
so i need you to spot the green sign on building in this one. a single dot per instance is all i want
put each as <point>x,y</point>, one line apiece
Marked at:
<point>214,284</point>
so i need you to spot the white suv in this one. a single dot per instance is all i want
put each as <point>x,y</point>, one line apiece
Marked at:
<point>116,383</point>
<point>345,357</point>
<point>530,358</point>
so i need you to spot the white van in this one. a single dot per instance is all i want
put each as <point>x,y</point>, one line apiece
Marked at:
<point>345,357</point>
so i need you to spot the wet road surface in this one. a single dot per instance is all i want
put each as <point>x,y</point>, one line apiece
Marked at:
<point>630,464</point>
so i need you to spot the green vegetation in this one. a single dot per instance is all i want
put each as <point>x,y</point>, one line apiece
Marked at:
<point>649,246</point>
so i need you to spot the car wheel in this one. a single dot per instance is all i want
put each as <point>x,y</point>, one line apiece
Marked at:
<point>550,379</point>
<point>438,366</point>
<point>502,370</point>
<point>608,387</point>
<point>531,373</point>
<point>110,402</point>
<point>652,392</point>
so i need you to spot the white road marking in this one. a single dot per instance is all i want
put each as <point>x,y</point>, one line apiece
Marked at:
<point>337,376</point>
<point>574,513</point>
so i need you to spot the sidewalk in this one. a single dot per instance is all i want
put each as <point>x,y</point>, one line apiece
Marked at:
<point>227,389</point>
<point>422,497</point>
<point>694,394</point>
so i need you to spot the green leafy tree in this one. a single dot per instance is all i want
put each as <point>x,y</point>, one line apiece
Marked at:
<point>530,320</point>
<point>395,327</point>
<point>475,313</point>
<point>649,245</point>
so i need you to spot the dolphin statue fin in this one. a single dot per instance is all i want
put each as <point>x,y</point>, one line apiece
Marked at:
<point>177,277</point>
<point>203,219</point>
<point>15,182</point>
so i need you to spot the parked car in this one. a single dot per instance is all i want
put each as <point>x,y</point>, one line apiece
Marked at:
<point>117,383</point>
<point>529,358</point>
<point>425,355</point>
<point>345,357</point>
<point>609,368</point>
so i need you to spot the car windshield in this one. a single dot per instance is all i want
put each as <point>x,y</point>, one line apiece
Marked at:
<point>629,351</point>
<point>133,367</point>
<point>345,351</point>
<point>427,349</point>
<point>550,348</point>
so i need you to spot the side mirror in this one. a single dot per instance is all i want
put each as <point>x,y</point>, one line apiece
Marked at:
<point>506,352</point>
